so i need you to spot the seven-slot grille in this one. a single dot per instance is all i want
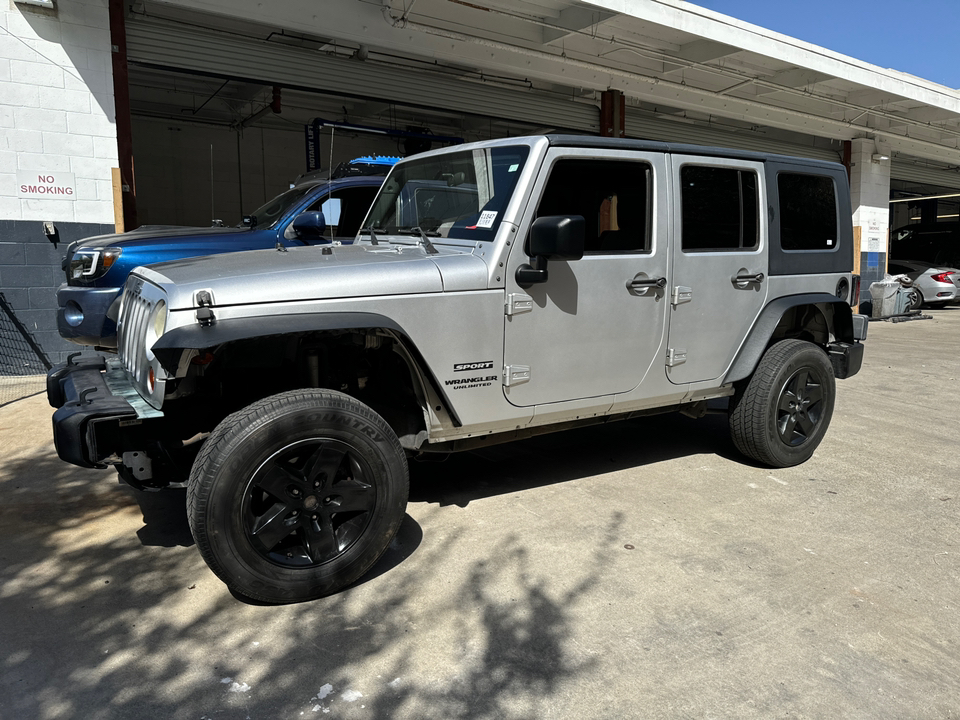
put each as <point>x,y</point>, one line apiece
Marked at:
<point>135,311</point>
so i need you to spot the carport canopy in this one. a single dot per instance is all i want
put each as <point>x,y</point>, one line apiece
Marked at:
<point>671,59</point>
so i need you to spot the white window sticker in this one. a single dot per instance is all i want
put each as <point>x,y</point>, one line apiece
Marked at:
<point>513,168</point>
<point>486,219</point>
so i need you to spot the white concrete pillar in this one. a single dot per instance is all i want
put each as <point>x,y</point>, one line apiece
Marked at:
<point>870,198</point>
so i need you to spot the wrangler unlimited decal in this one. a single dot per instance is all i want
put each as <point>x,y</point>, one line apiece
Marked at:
<point>472,382</point>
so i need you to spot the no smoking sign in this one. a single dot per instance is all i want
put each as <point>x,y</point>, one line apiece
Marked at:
<point>49,186</point>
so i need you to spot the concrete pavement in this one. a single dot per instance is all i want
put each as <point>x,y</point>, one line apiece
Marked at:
<point>642,570</point>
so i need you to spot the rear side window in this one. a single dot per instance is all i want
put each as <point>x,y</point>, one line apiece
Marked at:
<point>808,212</point>
<point>719,209</point>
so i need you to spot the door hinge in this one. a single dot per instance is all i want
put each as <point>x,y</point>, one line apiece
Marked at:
<point>676,356</point>
<point>681,295</point>
<point>515,375</point>
<point>518,303</point>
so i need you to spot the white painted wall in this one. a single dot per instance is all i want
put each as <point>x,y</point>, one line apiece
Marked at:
<point>56,108</point>
<point>173,167</point>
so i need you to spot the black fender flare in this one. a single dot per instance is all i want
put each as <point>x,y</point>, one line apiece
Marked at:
<point>759,336</point>
<point>197,337</point>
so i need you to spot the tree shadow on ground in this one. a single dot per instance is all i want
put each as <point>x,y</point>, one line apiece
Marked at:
<point>109,612</point>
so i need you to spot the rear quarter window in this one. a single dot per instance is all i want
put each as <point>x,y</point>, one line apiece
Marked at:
<point>808,212</point>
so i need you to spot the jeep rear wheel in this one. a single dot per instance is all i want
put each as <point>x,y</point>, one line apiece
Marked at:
<point>781,413</point>
<point>297,496</point>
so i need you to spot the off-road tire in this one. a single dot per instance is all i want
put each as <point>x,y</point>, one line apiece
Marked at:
<point>779,415</point>
<point>318,462</point>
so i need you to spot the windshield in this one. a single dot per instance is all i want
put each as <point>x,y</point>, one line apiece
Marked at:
<point>269,214</point>
<point>456,195</point>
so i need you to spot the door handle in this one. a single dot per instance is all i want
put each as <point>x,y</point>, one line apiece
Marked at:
<point>646,283</point>
<point>742,279</point>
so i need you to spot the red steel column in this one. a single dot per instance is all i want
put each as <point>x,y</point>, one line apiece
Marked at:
<point>613,107</point>
<point>121,101</point>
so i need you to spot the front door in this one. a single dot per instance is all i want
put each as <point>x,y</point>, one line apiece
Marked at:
<point>720,263</point>
<point>595,326</point>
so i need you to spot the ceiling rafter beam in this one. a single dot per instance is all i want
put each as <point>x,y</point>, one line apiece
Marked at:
<point>574,19</point>
<point>793,78</point>
<point>699,51</point>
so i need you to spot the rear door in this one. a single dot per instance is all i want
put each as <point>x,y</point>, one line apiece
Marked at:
<point>720,263</point>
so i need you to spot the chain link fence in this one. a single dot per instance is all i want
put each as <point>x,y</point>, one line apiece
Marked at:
<point>23,364</point>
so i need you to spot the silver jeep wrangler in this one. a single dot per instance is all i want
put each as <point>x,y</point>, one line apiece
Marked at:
<point>498,290</point>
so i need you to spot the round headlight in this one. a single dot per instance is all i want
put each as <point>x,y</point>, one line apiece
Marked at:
<point>155,327</point>
<point>159,319</point>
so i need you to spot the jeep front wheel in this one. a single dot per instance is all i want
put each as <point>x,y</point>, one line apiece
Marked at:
<point>781,413</point>
<point>297,495</point>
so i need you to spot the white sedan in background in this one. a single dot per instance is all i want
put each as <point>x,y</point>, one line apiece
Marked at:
<point>936,286</point>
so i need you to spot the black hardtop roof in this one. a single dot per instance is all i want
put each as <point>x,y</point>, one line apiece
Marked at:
<point>609,143</point>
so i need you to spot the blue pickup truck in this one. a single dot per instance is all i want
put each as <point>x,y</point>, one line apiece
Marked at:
<point>314,210</point>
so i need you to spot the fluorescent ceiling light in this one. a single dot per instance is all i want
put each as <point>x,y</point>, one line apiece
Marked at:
<point>924,197</point>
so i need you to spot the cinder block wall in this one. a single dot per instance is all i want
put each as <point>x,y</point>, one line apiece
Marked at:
<point>56,115</point>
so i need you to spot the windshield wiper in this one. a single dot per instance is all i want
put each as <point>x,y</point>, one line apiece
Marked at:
<point>424,240</point>
<point>373,234</point>
<point>417,230</point>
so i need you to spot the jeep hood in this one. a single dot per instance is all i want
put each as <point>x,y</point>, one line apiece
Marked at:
<point>316,273</point>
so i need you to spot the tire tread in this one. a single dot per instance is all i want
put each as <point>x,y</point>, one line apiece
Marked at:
<point>210,459</point>
<point>750,403</point>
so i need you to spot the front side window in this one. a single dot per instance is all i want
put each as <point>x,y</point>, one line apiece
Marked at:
<point>808,212</point>
<point>457,195</point>
<point>719,209</point>
<point>344,209</point>
<point>613,196</point>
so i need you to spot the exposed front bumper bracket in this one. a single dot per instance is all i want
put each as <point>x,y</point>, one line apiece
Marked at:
<point>94,402</point>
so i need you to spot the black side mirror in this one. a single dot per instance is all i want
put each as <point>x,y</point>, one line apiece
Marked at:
<point>554,237</point>
<point>309,223</point>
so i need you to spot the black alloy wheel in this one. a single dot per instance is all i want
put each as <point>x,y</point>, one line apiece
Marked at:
<point>296,496</point>
<point>308,502</point>
<point>779,415</point>
<point>801,407</point>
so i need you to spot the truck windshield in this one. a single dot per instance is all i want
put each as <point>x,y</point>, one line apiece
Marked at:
<point>268,214</point>
<point>457,195</point>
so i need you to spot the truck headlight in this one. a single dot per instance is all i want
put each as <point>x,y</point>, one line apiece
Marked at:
<point>92,263</point>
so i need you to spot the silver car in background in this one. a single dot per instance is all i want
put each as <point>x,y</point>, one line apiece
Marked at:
<point>936,286</point>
